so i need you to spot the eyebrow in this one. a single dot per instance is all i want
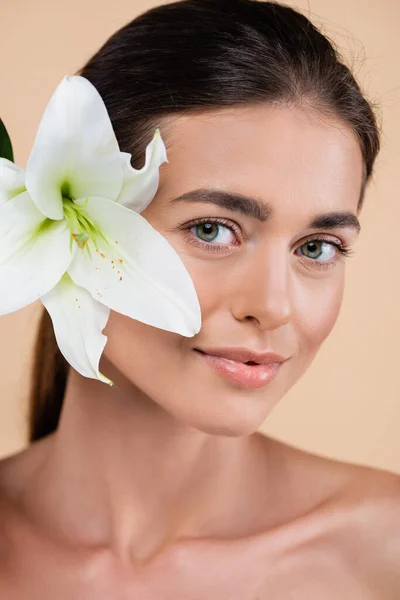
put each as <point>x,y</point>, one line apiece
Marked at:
<point>262,211</point>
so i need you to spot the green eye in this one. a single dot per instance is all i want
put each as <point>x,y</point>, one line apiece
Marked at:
<point>314,253</point>
<point>209,229</point>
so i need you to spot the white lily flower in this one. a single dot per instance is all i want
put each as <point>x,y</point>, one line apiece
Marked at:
<point>12,180</point>
<point>71,234</point>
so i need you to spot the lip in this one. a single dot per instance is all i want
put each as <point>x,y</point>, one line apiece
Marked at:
<point>244,355</point>
<point>250,376</point>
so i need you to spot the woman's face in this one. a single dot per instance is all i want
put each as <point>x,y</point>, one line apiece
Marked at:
<point>262,284</point>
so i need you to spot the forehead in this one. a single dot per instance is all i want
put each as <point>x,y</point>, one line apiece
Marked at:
<point>284,154</point>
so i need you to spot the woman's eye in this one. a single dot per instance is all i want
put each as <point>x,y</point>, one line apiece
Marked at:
<point>209,231</point>
<point>318,249</point>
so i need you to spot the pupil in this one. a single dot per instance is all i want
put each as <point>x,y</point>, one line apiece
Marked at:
<point>315,245</point>
<point>208,228</point>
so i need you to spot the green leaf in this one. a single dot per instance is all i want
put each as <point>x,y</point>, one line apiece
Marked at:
<point>6,150</point>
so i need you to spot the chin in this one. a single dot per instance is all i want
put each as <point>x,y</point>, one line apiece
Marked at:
<point>230,424</point>
<point>227,431</point>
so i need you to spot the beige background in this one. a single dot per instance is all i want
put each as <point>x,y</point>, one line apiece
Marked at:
<point>348,404</point>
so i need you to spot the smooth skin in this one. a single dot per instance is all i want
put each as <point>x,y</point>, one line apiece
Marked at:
<point>162,487</point>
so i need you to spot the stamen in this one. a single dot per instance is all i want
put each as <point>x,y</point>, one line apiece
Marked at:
<point>81,239</point>
<point>82,227</point>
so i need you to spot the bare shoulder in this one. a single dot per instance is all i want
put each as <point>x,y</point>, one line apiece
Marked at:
<point>326,478</point>
<point>375,500</point>
<point>357,509</point>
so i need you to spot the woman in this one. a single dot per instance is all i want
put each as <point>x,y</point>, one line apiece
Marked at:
<point>161,486</point>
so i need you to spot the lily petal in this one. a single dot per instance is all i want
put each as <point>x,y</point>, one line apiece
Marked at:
<point>75,153</point>
<point>12,180</point>
<point>34,253</point>
<point>136,272</point>
<point>78,321</point>
<point>140,185</point>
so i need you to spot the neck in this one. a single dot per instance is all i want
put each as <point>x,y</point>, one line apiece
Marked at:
<point>123,473</point>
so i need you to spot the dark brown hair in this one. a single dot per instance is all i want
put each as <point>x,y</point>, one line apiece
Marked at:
<point>200,55</point>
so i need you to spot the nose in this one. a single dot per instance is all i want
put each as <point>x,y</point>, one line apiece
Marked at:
<point>263,289</point>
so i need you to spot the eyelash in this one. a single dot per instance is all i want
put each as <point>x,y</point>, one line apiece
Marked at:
<point>344,249</point>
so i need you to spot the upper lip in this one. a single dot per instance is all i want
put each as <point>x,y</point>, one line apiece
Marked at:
<point>244,355</point>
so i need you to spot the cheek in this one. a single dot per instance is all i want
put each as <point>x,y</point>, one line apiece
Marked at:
<point>136,349</point>
<point>317,313</point>
<point>129,345</point>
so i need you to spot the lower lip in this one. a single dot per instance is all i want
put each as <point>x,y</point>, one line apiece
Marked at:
<point>251,376</point>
